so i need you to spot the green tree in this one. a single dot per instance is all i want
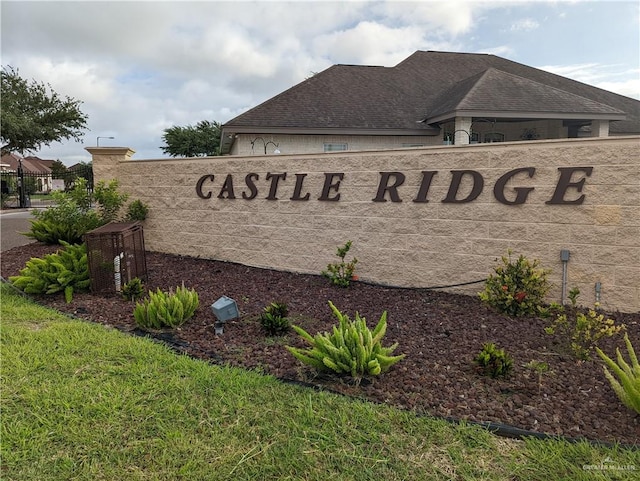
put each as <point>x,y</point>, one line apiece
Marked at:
<point>82,170</point>
<point>58,170</point>
<point>197,140</point>
<point>33,115</point>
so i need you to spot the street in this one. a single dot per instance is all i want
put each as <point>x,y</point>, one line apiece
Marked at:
<point>12,223</point>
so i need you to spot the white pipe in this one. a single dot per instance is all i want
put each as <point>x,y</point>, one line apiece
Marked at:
<point>116,271</point>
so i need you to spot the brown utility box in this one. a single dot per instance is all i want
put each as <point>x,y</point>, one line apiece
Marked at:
<point>116,255</point>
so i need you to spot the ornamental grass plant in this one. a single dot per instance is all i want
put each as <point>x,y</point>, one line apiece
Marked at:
<point>626,382</point>
<point>351,348</point>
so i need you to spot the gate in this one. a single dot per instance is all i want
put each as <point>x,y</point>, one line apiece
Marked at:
<point>22,189</point>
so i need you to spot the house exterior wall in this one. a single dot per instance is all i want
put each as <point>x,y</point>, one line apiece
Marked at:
<point>311,144</point>
<point>398,240</point>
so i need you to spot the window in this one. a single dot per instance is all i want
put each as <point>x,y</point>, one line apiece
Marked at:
<point>334,147</point>
<point>493,137</point>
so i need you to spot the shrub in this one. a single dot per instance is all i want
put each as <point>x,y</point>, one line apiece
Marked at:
<point>67,270</point>
<point>627,384</point>
<point>161,309</point>
<point>137,211</point>
<point>517,288</point>
<point>133,290</point>
<point>109,201</point>
<point>351,348</point>
<point>341,273</point>
<point>274,318</point>
<point>73,213</point>
<point>68,220</point>
<point>493,362</point>
<point>582,331</point>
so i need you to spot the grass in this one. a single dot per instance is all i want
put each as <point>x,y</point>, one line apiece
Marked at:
<point>83,402</point>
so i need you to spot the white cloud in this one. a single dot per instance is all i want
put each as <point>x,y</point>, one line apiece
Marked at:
<point>76,79</point>
<point>628,88</point>
<point>369,43</point>
<point>141,67</point>
<point>525,25</point>
<point>608,77</point>
<point>442,18</point>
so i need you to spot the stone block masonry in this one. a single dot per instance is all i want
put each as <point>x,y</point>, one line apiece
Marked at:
<point>424,217</point>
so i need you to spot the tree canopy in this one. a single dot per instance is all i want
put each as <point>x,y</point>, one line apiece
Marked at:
<point>197,140</point>
<point>33,114</point>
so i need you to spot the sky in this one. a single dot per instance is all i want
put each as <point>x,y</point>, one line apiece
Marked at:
<point>145,66</point>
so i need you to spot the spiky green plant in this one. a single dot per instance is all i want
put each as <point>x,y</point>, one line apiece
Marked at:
<point>133,290</point>
<point>274,318</point>
<point>351,348</point>
<point>493,362</point>
<point>67,270</point>
<point>627,384</point>
<point>162,309</point>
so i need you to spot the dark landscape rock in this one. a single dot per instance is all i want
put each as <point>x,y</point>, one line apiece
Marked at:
<point>440,334</point>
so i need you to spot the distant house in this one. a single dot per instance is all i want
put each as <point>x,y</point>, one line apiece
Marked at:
<point>36,170</point>
<point>430,98</point>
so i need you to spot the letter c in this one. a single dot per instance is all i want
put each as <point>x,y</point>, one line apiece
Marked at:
<point>201,181</point>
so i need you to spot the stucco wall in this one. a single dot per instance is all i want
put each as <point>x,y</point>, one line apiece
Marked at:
<point>310,144</point>
<point>313,144</point>
<point>404,243</point>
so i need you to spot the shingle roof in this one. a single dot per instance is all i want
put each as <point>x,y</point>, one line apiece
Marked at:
<point>29,164</point>
<point>429,83</point>
<point>343,96</point>
<point>495,90</point>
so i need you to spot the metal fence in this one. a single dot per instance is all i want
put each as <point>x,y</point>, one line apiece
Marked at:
<point>22,189</point>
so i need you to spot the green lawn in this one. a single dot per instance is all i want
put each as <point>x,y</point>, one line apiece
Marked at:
<point>83,402</point>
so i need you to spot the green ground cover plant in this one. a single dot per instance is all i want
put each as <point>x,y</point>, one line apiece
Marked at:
<point>83,402</point>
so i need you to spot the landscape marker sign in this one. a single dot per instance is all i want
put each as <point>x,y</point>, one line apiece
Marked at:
<point>571,180</point>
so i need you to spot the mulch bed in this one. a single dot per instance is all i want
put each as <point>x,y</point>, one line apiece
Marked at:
<point>440,333</point>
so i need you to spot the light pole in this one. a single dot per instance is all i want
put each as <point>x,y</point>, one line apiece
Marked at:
<point>101,137</point>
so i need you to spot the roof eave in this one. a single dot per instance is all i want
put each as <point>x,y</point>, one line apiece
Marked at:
<point>524,115</point>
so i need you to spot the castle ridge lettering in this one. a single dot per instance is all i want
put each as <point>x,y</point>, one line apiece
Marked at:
<point>568,189</point>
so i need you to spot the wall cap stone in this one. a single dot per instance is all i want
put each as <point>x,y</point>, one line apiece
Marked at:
<point>123,151</point>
